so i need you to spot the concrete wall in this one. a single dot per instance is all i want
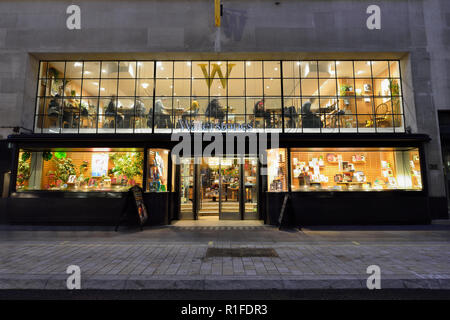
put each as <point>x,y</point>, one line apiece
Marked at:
<point>418,31</point>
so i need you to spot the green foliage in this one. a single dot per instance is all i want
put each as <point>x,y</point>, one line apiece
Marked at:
<point>344,89</point>
<point>395,87</point>
<point>60,155</point>
<point>52,72</point>
<point>23,171</point>
<point>64,169</point>
<point>26,155</point>
<point>82,169</point>
<point>47,155</point>
<point>129,164</point>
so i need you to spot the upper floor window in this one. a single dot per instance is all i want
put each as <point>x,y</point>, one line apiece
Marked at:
<point>166,96</point>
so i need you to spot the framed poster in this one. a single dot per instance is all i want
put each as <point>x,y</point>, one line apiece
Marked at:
<point>99,164</point>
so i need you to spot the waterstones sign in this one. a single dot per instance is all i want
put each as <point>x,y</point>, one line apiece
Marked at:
<point>208,126</point>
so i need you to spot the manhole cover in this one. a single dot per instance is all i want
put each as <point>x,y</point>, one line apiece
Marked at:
<point>241,252</point>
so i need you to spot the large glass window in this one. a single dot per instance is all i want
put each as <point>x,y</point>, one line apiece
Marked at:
<point>165,96</point>
<point>82,170</point>
<point>277,167</point>
<point>158,168</point>
<point>355,169</point>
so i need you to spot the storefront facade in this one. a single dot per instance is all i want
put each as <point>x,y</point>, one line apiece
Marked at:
<point>341,133</point>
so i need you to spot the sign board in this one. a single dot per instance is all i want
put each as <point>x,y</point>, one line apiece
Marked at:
<point>283,209</point>
<point>141,210</point>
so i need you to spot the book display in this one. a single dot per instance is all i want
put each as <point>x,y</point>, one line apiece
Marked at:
<point>276,170</point>
<point>340,169</point>
<point>157,170</point>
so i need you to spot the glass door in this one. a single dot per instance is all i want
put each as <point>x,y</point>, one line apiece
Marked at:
<point>230,187</point>
<point>250,184</point>
<point>209,192</point>
<point>187,192</point>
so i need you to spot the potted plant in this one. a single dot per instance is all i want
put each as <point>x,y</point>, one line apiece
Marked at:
<point>64,168</point>
<point>344,91</point>
<point>23,171</point>
<point>128,165</point>
<point>394,87</point>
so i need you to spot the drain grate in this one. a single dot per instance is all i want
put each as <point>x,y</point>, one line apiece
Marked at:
<point>241,252</point>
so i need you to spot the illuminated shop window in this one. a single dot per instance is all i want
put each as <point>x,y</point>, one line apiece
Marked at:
<point>80,170</point>
<point>328,96</point>
<point>158,167</point>
<point>355,169</point>
<point>277,170</point>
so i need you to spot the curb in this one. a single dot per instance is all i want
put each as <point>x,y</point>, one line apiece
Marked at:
<point>125,282</point>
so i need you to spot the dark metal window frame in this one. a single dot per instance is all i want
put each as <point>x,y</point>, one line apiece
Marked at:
<point>281,97</point>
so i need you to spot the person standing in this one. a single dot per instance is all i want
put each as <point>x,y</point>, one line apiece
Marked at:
<point>260,112</point>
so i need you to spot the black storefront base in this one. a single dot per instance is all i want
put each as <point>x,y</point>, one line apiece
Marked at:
<point>64,208</point>
<point>349,208</point>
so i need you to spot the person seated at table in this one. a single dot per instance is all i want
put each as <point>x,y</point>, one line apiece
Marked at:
<point>215,110</point>
<point>111,115</point>
<point>139,108</point>
<point>191,111</point>
<point>54,107</point>
<point>310,119</point>
<point>291,116</point>
<point>162,116</point>
<point>259,112</point>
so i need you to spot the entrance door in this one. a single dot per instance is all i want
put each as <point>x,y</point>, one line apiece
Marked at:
<point>250,183</point>
<point>230,186</point>
<point>187,190</point>
<point>219,188</point>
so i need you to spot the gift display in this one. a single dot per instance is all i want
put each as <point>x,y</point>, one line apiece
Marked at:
<point>349,170</point>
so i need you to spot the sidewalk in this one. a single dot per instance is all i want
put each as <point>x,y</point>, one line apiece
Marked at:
<point>174,257</point>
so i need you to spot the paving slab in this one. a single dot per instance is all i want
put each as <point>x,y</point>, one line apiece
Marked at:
<point>174,258</point>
